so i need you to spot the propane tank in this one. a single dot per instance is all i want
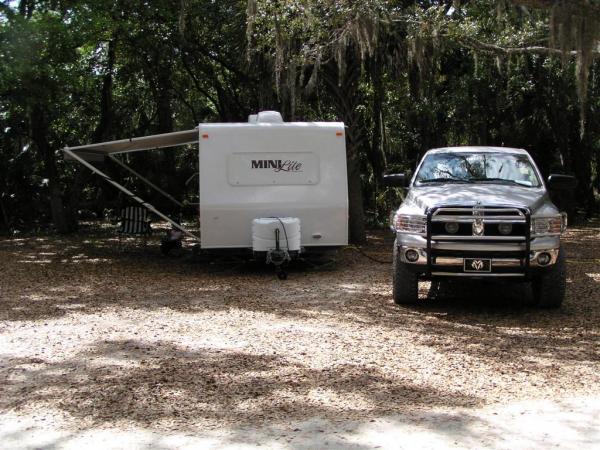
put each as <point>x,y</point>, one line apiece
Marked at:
<point>264,236</point>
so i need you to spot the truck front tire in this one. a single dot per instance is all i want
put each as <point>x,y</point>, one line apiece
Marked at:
<point>405,284</point>
<point>549,288</point>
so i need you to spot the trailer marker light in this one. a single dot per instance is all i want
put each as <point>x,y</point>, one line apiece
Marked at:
<point>204,135</point>
<point>339,133</point>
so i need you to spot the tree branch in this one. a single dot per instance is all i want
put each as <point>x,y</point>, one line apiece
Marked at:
<point>508,51</point>
<point>583,6</point>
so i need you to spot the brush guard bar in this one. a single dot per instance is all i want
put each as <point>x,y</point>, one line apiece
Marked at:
<point>523,216</point>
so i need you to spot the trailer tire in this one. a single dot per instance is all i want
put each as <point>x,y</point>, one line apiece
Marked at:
<point>405,283</point>
<point>549,288</point>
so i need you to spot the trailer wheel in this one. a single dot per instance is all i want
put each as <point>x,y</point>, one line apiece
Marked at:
<point>549,288</point>
<point>405,283</point>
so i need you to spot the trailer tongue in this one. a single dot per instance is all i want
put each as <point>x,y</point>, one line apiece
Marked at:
<point>267,188</point>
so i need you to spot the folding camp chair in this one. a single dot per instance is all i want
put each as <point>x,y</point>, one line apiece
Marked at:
<point>134,222</point>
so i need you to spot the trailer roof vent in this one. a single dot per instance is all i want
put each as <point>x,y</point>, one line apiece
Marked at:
<point>267,117</point>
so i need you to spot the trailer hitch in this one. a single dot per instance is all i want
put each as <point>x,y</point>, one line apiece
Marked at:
<point>278,258</point>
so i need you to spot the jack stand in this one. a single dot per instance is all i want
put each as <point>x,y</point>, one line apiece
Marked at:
<point>278,258</point>
<point>281,274</point>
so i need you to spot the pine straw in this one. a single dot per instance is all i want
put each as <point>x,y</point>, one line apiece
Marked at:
<point>133,338</point>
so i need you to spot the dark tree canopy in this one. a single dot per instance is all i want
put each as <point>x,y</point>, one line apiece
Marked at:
<point>404,76</point>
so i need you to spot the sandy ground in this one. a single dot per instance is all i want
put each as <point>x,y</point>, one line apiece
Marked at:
<point>141,350</point>
<point>521,425</point>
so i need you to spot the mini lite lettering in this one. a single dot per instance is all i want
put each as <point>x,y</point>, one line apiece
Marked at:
<point>278,165</point>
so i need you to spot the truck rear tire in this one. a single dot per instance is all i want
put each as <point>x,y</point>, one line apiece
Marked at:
<point>549,288</point>
<point>405,283</point>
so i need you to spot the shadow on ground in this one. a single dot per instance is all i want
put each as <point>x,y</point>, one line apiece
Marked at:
<point>485,327</point>
<point>151,383</point>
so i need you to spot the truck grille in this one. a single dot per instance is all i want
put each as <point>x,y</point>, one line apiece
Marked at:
<point>459,223</point>
<point>499,233</point>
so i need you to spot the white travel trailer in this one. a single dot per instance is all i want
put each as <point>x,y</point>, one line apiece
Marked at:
<point>271,187</point>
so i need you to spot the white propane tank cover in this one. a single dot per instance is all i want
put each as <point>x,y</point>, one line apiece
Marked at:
<point>269,117</point>
<point>263,233</point>
<point>252,118</point>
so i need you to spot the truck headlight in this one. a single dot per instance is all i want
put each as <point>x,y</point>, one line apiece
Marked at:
<point>505,228</point>
<point>548,226</point>
<point>410,224</point>
<point>451,227</point>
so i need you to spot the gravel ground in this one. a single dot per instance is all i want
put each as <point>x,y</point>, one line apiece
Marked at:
<point>93,337</point>
<point>525,425</point>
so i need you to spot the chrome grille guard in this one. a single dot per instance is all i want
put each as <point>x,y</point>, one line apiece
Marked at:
<point>488,214</point>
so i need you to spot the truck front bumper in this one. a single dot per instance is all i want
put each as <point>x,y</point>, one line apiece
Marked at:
<point>505,260</point>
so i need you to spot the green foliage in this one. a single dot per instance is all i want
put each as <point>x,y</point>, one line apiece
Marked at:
<point>404,76</point>
<point>485,73</point>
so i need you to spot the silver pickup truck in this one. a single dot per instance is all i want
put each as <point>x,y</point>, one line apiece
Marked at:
<point>479,212</point>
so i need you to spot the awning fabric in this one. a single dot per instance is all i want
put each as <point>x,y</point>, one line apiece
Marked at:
<point>97,152</point>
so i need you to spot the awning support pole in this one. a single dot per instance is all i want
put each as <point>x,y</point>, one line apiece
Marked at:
<point>129,193</point>
<point>145,180</point>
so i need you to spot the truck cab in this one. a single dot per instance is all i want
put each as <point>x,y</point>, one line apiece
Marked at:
<point>479,212</point>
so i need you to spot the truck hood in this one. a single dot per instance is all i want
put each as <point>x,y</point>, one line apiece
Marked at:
<point>423,197</point>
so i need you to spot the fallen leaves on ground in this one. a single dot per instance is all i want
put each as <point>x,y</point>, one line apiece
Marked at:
<point>110,336</point>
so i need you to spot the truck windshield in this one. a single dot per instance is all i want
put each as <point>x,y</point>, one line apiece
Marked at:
<point>501,168</point>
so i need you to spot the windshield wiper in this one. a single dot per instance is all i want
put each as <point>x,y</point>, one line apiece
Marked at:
<point>503,180</point>
<point>445,180</point>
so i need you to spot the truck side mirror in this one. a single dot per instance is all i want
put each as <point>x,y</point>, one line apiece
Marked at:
<point>396,180</point>
<point>558,182</point>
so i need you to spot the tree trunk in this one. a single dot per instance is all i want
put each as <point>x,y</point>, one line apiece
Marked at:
<point>26,8</point>
<point>164,98</point>
<point>39,134</point>
<point>377,153</point>
<point>582,166</point>
<point>164,106</point>
<point>104,129</point>
<point>356,225</point>
<point>344,89</point>
<point>5,218</point>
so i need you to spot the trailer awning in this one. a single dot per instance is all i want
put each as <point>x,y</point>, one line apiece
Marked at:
<point>97,152</point>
